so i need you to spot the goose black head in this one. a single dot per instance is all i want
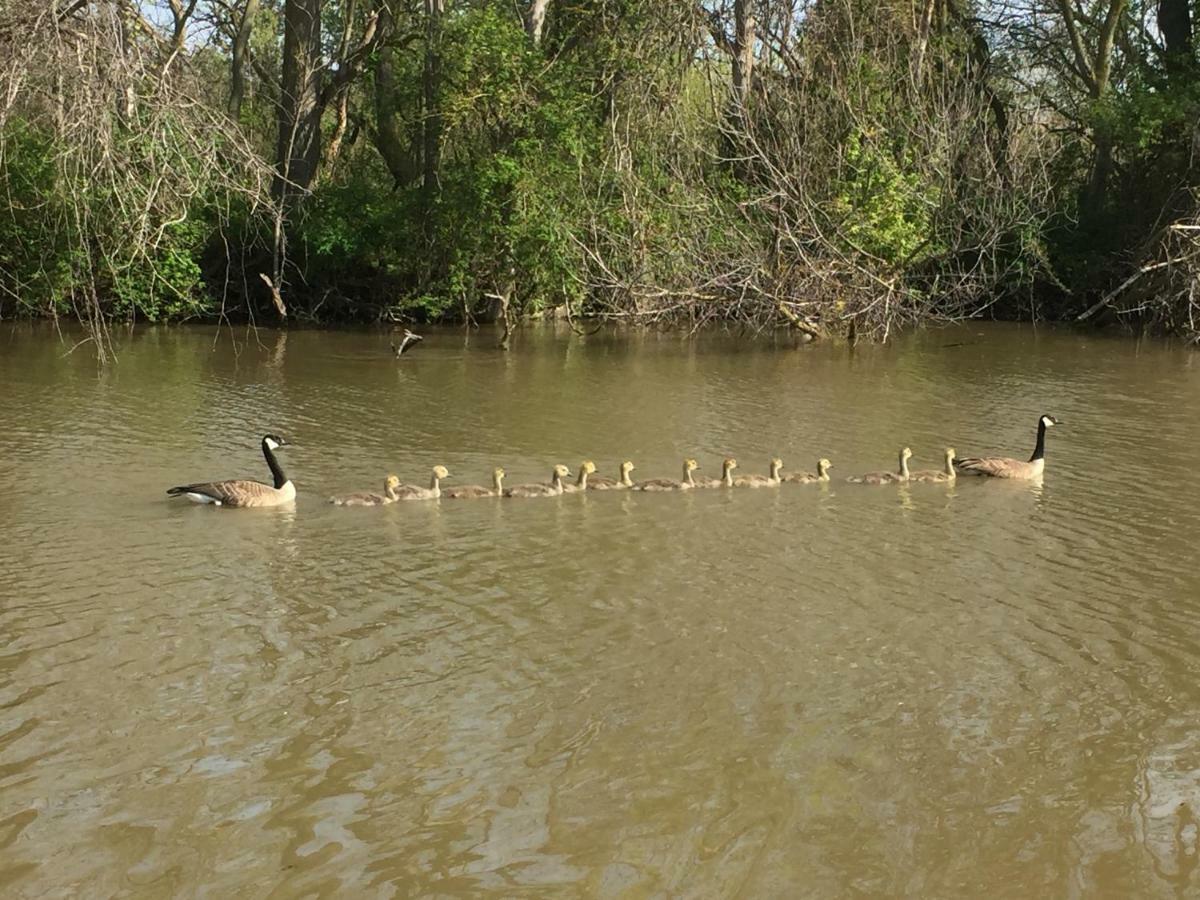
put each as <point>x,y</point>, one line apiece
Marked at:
<point>274,441</point>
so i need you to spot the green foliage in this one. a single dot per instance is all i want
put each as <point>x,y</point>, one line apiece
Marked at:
<point>168,282</point>
<point>48,259</point>
<point>609,162</point>
<point>884,209</point>
<point>36,262</point>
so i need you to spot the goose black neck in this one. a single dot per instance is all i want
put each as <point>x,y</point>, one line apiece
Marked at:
<point>1039,451</point>
<point>273,464</point>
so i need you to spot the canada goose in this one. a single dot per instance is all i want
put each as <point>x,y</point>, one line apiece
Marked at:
<point>608,484</point>
<point>409,341</point>
<point>1003,467</point>
<point>947,474</point>
<point>475,491</point>
<point>823,467</point>
<point>553,489</point>
<point>245,493</point>
<point>413,492</point>
<point>897,477</point>
<point>726,480</point>
<point>366,498</point>
<point>586,468</point>
<point>762,480</point>
<point>667,484</point>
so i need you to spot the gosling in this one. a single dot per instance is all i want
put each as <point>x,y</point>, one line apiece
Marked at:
<point>771,480</point>
<point>586,468</point>
<point>949,473</point>
<point>475,491</point>
<point>822,474</point>
<point>668,484</point>
<point>623,483</point>
<point>898,477</point>
<point>553,489</point>
<point>367,498</point>
<point>433,492</point>
<point>726,479</point>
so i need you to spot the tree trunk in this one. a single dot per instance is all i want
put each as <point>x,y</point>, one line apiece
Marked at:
<point>1095,69</point>
<point>536,20</point>
<point>240,58</point>
<point>1175,23</point>
<point>743,52</point>
<point>924,27</point>
<point>298,152</point>
<point>399,147</point>
<point>432,123</point>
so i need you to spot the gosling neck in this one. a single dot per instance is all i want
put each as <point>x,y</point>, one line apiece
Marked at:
<point>389,491</point>
<point>822,472</point>
<point>581,481</point>
<point>625,480</point>
<point>497,484</point>
<point>727,475</point>
<point>903,467</point>
<point>687,476</point>
<point>950,470</point>
<point>273,464</point>
<point>775,470</point>
<point>556,482</point>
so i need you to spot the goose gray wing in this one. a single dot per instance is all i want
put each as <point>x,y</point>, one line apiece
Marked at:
<point>995,466</point>
<point>228,493</point>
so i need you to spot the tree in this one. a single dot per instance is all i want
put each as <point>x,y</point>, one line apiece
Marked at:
<point>239,55</point>
<point>1092,40</point>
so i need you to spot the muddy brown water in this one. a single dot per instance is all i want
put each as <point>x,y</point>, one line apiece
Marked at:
<point>940,691</point>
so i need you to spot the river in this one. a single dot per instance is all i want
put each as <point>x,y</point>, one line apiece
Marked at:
<point>986,688</point>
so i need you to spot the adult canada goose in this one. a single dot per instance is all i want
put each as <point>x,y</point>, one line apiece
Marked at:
<point>245,493</point>
<point>553,489</point>
<point>667,484</point>
<point>623,483</point>
<point>762,480</point>
<point>475,491</point>
<point>586,468</point>
<point>726,480</point>
<point>1003,467</point>
<point>947,474</point>
<point>413,492</point>
<point>897,477</point>
<point>822,474</point>
<point>367,498</point>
